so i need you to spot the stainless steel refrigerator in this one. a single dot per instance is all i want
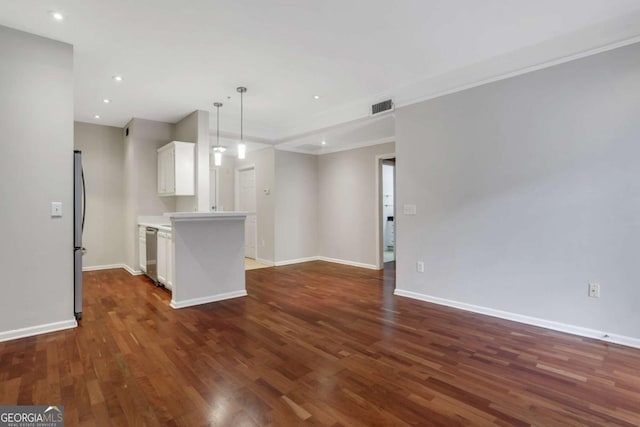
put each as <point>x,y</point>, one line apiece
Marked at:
<point>79,209</point>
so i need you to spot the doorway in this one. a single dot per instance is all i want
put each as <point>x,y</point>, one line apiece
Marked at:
<point>386,211</point>
<point>246,201</point>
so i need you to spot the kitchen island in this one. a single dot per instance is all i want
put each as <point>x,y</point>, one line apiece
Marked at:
<point>207,257</point>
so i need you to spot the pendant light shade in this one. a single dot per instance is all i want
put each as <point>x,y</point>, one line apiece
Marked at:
<point>218,149</point>
<point>242,148</point>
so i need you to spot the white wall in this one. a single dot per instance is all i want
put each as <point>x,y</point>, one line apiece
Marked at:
<point>296,206</point>
<point>347,204</point>
<point>103,161</point>
<point>526,190</point>
<point>36,161</point>
<point>264,162</point>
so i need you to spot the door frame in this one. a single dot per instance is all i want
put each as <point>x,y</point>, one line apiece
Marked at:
<point>379,226</point>
<point>216,172</point>
<point>236,188</point>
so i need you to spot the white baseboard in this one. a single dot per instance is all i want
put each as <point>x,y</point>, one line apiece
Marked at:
<point>535,321</point>
<point>132,271</point>
<point>296,261</point>
<point>37,330</point>
<point>110,266</point>
<point>326,259</point>
<point>346,262</point>
<point>208,299</point>
<point>265,262</point>
<point>102,267</point>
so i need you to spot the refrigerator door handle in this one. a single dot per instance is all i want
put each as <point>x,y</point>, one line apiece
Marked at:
<point>79,202</point>
<point>84,200</point>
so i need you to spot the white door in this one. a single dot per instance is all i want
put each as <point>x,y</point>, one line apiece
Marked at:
<point>213,190</point>
<point>247,202</point>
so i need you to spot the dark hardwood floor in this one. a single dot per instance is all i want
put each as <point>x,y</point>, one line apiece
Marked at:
<point>318,344</point>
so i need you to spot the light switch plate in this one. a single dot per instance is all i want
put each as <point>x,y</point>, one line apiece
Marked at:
<point>56,209</point>
<point>409,209</point>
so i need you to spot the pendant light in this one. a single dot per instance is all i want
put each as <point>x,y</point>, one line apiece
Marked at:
<point>242,148</point>
<point>218,149</point>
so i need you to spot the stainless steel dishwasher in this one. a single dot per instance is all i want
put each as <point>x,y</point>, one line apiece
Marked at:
<point>152,254</point>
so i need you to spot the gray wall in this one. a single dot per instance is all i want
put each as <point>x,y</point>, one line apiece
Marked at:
<point>264,162</point>
<point>187,130</point>
<point>36,160</point>
<point>195,128</point>
<point>141,176</point>
<point>296,206</point>
<point>347,204</point>
<point>103,160</point>
<point>202,162</point>
<point>526,190</point>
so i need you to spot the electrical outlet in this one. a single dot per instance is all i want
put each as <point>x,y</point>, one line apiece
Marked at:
<point>409,209</point>
<point>420,267</point>
<point>594,290</point>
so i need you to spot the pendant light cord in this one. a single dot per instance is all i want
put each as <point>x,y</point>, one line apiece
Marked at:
<point>241,116</point>
<point>217,125</point>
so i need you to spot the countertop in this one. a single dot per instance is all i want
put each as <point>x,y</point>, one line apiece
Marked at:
<point>198,216</point>
<point>159,226</point>
<point>164,222</point>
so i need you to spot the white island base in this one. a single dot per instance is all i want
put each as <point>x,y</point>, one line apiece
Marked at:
<point>208,262</point>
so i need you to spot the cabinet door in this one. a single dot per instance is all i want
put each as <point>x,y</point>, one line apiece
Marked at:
<point>169,282</point>
<point>162,257</point>
<point>142,254</point>
<point>170,171</point>
<point>161,172</point>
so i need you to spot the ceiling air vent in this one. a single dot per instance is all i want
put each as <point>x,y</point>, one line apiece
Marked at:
<point>382,107</point>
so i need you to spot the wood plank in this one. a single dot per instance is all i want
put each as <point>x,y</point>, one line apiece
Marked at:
<point>313,344</point>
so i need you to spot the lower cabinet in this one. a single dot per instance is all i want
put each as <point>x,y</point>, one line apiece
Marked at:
<point>142,248</point>
<point>169,283</point>
<point>165,259</point>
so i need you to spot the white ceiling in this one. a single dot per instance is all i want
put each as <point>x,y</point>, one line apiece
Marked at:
<point>177,57</point>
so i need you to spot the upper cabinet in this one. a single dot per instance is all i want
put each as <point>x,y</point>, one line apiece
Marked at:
<point>176,169</point>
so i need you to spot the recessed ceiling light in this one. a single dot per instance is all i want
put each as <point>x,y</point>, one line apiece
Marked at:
<point>316,96</point>
<point>117,78</point>
<point>97,116</point>
<point>106,100</point>
<point>56,15</point>
<point>323,142</point>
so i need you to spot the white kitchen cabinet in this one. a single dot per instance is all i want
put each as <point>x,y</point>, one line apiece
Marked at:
<point>169,258</point>
<point>142,248</point>
<point>162,257</point>
<point>176,169</point>
<point>165,259</point>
